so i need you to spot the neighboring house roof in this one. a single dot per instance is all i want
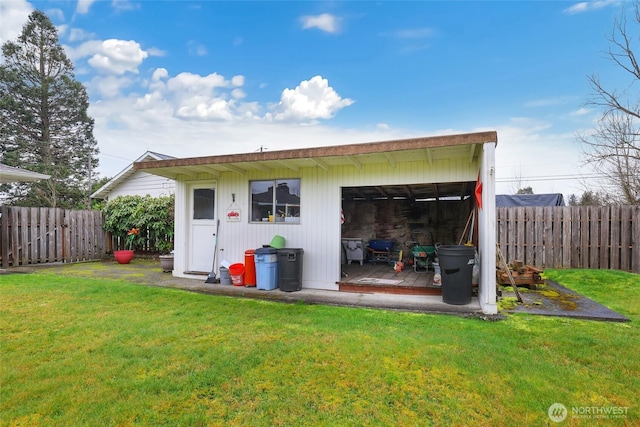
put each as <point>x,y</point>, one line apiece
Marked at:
<point>390,152</point>
<point>282,195</point>
<point>103,192</point>
<point>11,174</point>
<point>505,200</point>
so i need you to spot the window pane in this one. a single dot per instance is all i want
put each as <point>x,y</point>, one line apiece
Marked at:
<point>203,202</point>
<point>261,200</point>
<point>281,205</point>
<point>288,200</point>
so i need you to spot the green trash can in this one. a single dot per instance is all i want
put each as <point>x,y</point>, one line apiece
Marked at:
<point>290,269</point>
<point>456,265</point>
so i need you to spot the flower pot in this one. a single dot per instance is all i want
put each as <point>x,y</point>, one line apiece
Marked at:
<point>124,256</point>
<point>166,262</point>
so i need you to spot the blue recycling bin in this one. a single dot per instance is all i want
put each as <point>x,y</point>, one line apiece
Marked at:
<point>266,260</point>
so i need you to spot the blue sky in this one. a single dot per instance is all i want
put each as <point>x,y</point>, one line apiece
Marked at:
<point>195,78</point>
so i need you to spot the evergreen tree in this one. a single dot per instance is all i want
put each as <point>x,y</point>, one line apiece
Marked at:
<point>525,190</point>
<point>44,126</point>
<point>593,198</point>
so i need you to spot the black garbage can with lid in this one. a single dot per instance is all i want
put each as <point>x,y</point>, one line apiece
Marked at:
<point>456,265</point>
<point>290,269</point>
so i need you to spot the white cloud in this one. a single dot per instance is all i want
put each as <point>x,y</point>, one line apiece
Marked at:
<point>55,14</point>
<point>194,83</point>
<point>83,6</point>
<point>154,51</point>
<point>14,15</point>
<point>311,100</point>
<point>124,5</point>
<point>192,115</point>
<point>118,57</point>
<point>110,86</point>
<point>200,107</point>
<point>581,112</point>
<point>196,49</point>
<point>159,74</point>
<point>587,6</point>
<point>204,98</point>
<point>238,93</point>
<point>87,48</point>
<point>78,34</point>
<point>213,97</point>
<point>548,102</point>
<point>325,22</point>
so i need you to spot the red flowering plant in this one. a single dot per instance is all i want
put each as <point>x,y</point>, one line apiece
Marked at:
<point>131,236</point>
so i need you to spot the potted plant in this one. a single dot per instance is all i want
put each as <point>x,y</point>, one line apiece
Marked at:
<point>166,255</point>
<point>126,255</point>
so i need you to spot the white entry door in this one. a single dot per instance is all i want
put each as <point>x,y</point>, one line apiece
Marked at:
<point>202,227</point>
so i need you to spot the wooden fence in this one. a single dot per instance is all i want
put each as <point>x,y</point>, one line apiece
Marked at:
<point>596,237</point>
<point>546,237</point>
<point>46,235</point>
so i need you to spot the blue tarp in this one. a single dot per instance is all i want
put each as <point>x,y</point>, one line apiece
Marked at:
<point>506,200</point>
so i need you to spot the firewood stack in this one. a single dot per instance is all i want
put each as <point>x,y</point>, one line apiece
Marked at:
<point>523,275</point>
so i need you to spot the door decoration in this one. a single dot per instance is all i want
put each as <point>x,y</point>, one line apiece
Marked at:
<point>233,211</point>
<point>233,215</point>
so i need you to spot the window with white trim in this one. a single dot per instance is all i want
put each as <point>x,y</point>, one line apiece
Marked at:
<point>275,201</point>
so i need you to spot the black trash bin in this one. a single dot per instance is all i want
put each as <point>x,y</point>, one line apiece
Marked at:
<point>456,265</point>
<point>290,269</point>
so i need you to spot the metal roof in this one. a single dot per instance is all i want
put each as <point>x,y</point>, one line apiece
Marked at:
<point>10,174</point>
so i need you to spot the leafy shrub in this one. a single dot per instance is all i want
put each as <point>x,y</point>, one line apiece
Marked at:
<point>153,215</point>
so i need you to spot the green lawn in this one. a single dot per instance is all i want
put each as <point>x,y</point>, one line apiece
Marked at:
<point>89,352</point>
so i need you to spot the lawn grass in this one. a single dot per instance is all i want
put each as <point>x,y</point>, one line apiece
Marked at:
<point>86,352</point>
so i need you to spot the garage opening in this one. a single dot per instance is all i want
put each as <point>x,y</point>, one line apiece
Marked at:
<point>405,222</point>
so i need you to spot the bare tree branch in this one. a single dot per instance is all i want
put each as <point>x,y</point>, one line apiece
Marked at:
<point>613,148</point>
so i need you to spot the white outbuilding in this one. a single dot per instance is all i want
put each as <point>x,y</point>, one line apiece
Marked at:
<point>316,197</point>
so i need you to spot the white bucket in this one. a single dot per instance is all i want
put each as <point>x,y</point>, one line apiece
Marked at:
<point>436,267</point>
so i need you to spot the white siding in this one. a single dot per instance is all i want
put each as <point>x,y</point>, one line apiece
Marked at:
<point>142,183</point>
<point>181,230</point>
<point>318,233</point>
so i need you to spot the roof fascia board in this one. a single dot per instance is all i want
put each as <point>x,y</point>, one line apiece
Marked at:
<point>330,151</point>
